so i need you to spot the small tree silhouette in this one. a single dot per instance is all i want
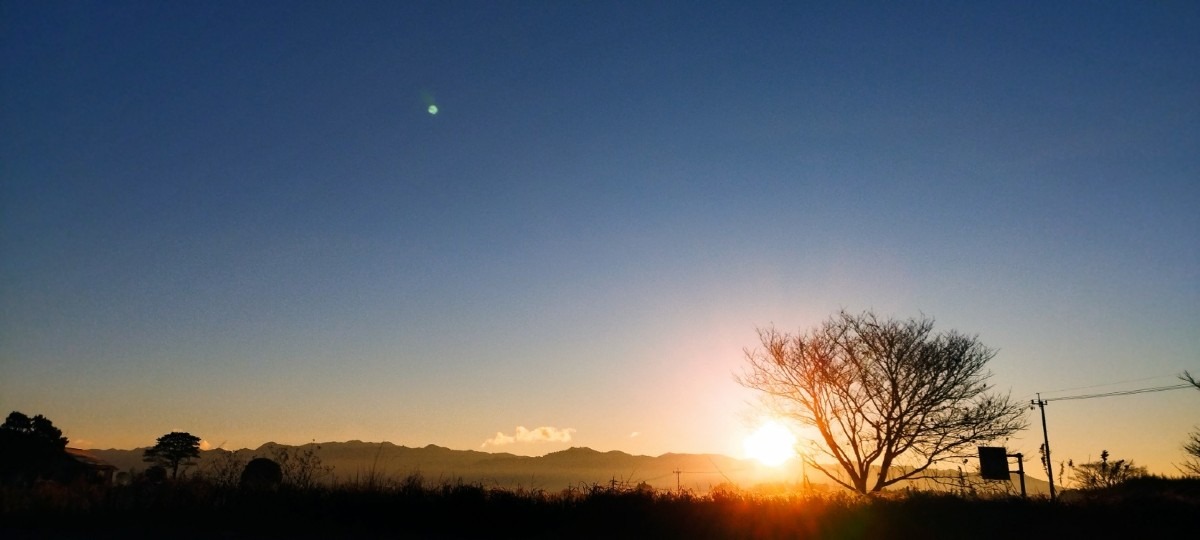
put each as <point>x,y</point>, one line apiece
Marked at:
<point>173,450</point>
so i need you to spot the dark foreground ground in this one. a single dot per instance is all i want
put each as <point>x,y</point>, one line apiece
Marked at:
<point>1155,508</point>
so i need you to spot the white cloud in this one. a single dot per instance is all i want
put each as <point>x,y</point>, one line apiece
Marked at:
<point>499,440</point>
<point>204,445</point>
<point>536,435</point>
<point>634,434</point>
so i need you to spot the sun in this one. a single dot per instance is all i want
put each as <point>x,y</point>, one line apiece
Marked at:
<point>772,444</point>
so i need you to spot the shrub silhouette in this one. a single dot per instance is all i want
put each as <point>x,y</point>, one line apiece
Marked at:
<point>1105,474</point>
<point>262,474</point>
<point>155,474</point>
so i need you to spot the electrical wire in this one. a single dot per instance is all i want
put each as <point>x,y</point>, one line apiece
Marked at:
<point>1033,395</point>
<point>1143,379</point>
<point>1122,392</point>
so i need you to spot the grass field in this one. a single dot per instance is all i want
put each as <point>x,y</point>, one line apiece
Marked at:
<point>411,508</point>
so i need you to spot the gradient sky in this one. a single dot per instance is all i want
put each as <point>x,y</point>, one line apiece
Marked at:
<point>240,220</point>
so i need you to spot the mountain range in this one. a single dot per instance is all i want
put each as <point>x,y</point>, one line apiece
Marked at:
<point>357,461</point>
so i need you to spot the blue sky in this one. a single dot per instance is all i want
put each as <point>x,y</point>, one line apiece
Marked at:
<point>239,219</point>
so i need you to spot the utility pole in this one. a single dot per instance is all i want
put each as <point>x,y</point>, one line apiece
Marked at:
<point>677,473</point>
<point>1041,403</point>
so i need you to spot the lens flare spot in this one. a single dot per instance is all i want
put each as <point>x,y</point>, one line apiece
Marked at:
<point>433,109</point>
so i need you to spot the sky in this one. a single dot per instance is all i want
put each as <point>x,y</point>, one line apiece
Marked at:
<point>243,219</point>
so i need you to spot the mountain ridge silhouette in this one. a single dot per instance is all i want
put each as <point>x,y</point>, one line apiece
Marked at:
<point>573,467</point>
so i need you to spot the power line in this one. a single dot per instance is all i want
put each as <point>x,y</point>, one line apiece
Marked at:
<point>1143,379</point>
<point>1114,383</point>
<point>1123,392</point>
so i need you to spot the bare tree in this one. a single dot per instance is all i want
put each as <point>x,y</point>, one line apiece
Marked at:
<point>225,469</point>
<point>1188,378</point>
<point>301,466</point>
<point>1191,467</point>
<point>881,393</point>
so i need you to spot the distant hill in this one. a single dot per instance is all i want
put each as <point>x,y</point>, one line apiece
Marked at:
<point>575,467</point>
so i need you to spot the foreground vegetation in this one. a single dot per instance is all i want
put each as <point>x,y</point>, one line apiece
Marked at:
<point>411,508</point>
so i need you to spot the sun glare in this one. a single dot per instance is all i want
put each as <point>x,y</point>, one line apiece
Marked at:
<point>772,444</point>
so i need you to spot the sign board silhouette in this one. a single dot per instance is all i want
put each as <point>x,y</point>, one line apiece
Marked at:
<point>993,463</point>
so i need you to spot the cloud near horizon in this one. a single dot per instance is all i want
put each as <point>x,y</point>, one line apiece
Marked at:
<point>536,435</point>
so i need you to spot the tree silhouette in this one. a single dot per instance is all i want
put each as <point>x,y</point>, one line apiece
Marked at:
<point>173,450</point>
<point>885,395</point>
<point>30,448</point>
<point>39,428</point>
